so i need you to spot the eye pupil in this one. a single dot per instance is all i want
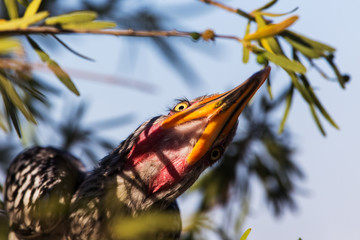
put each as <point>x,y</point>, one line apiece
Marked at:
<point>215,154</point>
<point>181,106</point>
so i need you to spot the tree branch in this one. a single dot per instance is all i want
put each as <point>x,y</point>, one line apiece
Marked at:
<point>230,9</point>
<point>129,32</point>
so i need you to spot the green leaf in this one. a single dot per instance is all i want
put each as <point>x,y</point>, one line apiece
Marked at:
<point>11,112</point>
<point>246,51</point>
<point>289,98</point>
<point>245,234</point>
<point>74,17</point>
<point>271,29</point>
<point>266,6</point>
<point>23,22</point>
<point>268,87</point>
<point>25,3</point>
<point>272,45</point>
<point>339,77</point>
<point>259,20</point>
<point>284,62</point>
<point>317,103</point>
<point>15,98</point>
<point>12,8</point>
<point>89,25</point>
<point>278,14</point>
<point>304,48</point>
<point>8,45</point>
<point>3,123</point>
<point>299,86</point>
<point>269,43</point>
<point>32,8</point>
<point>317,120</point>
<point>54,67</point>
<point>304,40</point>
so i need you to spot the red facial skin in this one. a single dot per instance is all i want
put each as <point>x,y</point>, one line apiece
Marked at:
<point>164,151</point>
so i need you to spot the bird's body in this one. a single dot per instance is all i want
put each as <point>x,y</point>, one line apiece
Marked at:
<point>48,195</point>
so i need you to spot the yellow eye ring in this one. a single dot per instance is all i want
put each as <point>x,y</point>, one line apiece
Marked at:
<point>216,153</point>
<point>181,106</point>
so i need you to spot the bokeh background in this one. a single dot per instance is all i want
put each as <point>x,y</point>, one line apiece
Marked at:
<point>134,79</point>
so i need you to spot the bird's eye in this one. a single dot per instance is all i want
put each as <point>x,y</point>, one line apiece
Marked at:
<point>216,153</point>
<point>181,106</point>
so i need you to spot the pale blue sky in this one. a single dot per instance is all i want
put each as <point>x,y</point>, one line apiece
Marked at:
<point>330,208</point>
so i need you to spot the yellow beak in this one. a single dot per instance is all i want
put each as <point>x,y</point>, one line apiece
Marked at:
<point>222,112</point>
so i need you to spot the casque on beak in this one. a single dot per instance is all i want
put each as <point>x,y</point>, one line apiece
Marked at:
<point>221,111</point>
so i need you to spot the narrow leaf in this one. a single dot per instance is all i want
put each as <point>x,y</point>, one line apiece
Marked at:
<point>266,6</point>
<point>245,234</point>
<point>268,88</point>
<point>317,103</point>
<point>54,67</point>
<point>315,44</point>
<point>246,51</point>
<point>63,76</point>
<point>305,49</point>
<point>74,17</point>
<point>11,112</point>
<point>284,62</point>
<point>89,25</point>
<point>289,98</point>
<point>259,20</point>
<point>271,29</point>
<point>3,123</point>
<point>299,86</point>
<point>25,3</point>
<point>72,50</point>
<point>12,8</point>
<point>8,45</point>
<point>32,8</point>
<point>23,22</point>
<point>278,14</point>
<point>317,120</point>
<point>339,77</point>
<point>15,98</point>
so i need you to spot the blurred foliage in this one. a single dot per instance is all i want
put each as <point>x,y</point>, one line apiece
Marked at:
<point>258,157</point>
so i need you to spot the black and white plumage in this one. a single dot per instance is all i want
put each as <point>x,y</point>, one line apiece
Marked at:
<point>132,193</point>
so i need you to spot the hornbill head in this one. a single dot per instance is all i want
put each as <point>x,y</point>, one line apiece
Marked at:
<point>169,152</point>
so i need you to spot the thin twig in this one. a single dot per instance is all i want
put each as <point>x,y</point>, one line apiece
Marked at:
<point>230,9</point>
<point>129,32</point>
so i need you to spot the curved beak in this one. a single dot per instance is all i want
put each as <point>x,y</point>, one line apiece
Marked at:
<point>221,111</point>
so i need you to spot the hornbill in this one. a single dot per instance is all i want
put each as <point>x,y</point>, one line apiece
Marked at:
<point>49,195</point>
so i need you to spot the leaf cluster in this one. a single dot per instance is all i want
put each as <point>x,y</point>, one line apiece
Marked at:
<point>17,84</point>
<point>270,38</point>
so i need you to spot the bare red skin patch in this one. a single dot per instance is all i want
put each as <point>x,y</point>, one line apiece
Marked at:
<point>163,153</point>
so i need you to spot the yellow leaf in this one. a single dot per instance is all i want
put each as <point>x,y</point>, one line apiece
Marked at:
<point>271,29</point>
<point>15,98</point>
<point>266,45</point>
<point>23,22</point>
<point>246,51</point>
<point>7,45</point>
<point>246,234</point>
<point>12,8</point>
<point>32,8</point>
<point>74,17</point>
